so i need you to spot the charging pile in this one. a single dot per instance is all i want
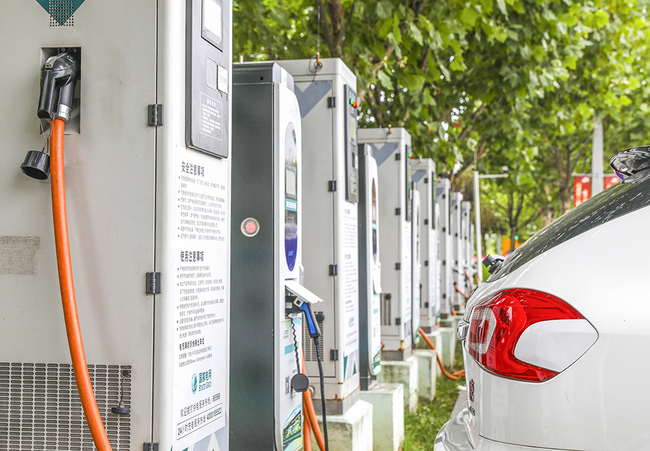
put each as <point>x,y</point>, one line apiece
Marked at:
<point>147,207</point>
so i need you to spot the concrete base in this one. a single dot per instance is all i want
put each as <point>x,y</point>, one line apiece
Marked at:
<point>351,431</point>
<point>427,373</point>
<point>447,337</point>
<point>448,331</point>
<point>405,373</point>
<point>335,406</point>
<point>388,415</point>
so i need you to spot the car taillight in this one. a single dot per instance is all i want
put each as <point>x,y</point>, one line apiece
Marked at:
<point>497,323</point>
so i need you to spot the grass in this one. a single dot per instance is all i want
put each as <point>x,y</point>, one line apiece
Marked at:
<point>421,427</point>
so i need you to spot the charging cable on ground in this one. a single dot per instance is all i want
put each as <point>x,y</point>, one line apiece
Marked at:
<point>454,376</point>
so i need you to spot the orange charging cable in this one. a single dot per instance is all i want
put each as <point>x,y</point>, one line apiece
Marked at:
<point>73,329</point>
<point>306,436</point>
<point>461,293</point>
<point>308,406</point>
<point>469,280</point>
<point>453,376</point>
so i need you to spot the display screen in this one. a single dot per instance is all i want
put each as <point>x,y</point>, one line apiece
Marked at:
<point>213,22</point>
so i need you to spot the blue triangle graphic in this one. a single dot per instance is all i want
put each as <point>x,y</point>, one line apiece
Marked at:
<point>308,98</point>
<point>60,10</point>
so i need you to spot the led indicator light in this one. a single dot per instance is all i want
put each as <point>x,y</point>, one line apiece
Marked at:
<point>250,227</point>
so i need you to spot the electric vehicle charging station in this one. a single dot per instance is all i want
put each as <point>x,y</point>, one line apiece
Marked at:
<point>458,254</point>
<point>327,98</point>
<point>266,258</point>
<point>148,209</point>
<point>416,265</point>
<point>443,201</point>
<point>468,250</point>
<point>369,270</point>
<point>424,176</point>
<point>391,148</point>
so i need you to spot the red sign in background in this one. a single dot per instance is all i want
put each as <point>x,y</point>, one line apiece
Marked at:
<point>582,187</point>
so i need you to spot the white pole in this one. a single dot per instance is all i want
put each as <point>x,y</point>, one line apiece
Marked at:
<point>597,173</point>
<point>477,214</point>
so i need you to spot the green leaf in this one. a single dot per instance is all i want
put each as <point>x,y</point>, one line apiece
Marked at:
<point>416,34</point>
<point>502,6</point>
<point>384,9</point>
<point>385,79</point>
<point>469,16</point>
<point>456,65</point>
<point>601,19</point>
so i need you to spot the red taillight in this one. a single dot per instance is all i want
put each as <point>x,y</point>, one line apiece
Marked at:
<point>497,322</point>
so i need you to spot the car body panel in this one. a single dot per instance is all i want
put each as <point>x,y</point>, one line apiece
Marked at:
<point>592,405</point>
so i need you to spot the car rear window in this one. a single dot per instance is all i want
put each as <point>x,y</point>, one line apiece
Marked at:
<point>621,199</point>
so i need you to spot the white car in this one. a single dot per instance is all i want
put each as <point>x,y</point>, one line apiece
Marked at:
<point>556,342</point>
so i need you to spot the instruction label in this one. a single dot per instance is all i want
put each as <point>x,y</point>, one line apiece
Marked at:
<point>211,117</point>
<point>406,278</point>
<point>201,297</point>
<point>350,280</point>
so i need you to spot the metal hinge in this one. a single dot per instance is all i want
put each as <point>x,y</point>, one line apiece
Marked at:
<point>444,229</point>
<point>331,102</point>
<point>398,266</point>
<point>398,211</point>
<point>398,321</point>
<point>426,221</point>
<point>333,270</point>
<point>331,186</point>
<point>153,283</point>
<point>426,263</point>
<point>155,115</point>
<point>334,354</point>
<point>426,305</point>
<point>150,446</point>
<point>398,156</point>
<point>426,180</point>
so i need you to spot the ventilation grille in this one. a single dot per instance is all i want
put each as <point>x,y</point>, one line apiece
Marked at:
<point>308,348</point>
<point>40,407</point>
<point>61,13</point>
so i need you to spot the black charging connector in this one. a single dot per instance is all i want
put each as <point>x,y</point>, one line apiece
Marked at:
<point>297,306</point>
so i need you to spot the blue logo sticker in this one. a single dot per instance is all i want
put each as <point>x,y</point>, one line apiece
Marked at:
<point>195,383</point>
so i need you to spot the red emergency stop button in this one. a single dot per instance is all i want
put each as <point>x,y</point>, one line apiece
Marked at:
<point>250,227</point>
